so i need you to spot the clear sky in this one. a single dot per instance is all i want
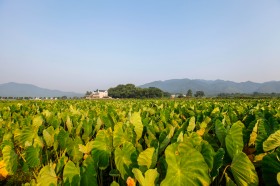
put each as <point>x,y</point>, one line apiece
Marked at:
<point>76,46</point>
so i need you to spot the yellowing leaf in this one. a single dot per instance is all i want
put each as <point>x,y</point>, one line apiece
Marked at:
<point>86,149</point>
<point>130,181</point>
<point>254,135</point>
<point>3,172</point>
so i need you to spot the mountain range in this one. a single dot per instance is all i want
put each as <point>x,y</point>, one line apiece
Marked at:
<point>27,90</point>
<point>214,87</point>
<point>210,88</point>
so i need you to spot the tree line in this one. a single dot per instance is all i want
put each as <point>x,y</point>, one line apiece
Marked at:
<point>131,91</point>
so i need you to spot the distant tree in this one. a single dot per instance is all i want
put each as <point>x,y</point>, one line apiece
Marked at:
<point>88,93</point>
<point>131,91</point>
<point>199,93</point>
<point>64,97</point>
<point>189,93</point>
<point>180,95</point>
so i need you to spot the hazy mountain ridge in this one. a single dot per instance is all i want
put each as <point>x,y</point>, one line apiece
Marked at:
<point>28,90</point>
<point>214,87</point>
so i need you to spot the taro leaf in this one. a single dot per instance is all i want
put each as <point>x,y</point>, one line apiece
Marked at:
<point>149,179</point>
<point>86,149</point>
<point>191,126</point>
<point>166,136</point>
<point>47,176</point>
<point>220,131</point>
<point>10,159</point>
<point>218,163</point>
<point>272,142</point>
<point>243,170</point>
<point>38,141</point>
<point>120,136</point>
<point>3,171</point>
<point>87,128</point>
<point>88,173</point>
<point>74,152</point>
<point>61,163</point>
<point>208,153</point>
<point>270,168</point>
<point>136,121</point>
<point>98,125</point>
<point>48,135</point>
<point>71,174</point>
<point>145,157</point>
<point>263,134</point>
<point>186,166</point>
<point>102,147</point>
<point>69,124</point>
<point>229,181</point>
<point>123,159</point>
<point>253,135</point>
<point>37,122</point>
<point>25,136</point>
<point>215,111</point>
<point>63,138</point>
<point>32,156</point>
<point>114,183</point>
<point>234,139</point>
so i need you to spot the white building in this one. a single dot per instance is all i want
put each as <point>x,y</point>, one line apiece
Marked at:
<point>98,94</point>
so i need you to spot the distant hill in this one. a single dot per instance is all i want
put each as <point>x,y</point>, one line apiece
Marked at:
<point>214,87</point>
<point>27,90</point>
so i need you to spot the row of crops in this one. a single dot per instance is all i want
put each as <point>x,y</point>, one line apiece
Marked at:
<point>140,142</point>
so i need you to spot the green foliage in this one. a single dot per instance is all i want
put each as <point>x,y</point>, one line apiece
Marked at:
<point>151,142</point>
<point>130,91</point>
<point>186,166</point>
<point>243,170</point>
<point>47,176</point>
<point>71,174</point>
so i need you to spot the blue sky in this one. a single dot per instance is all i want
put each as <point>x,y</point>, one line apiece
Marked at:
<point>84,45</point>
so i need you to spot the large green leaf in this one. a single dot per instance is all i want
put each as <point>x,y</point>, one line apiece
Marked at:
<point>120,135</point>
<point>124,158</point>
<point>191,125</point>
<point>149,179</point>
<point>243,170</point>
<point>71,174</point>
<point>48,135</point>
<point>86,149</point>
<point>47,176</point>
<point>270,168</point>
<point>69,124</point>
<point>37,122</point>
<point>10,159</point>
<point>88,173</point>
<point>145,157</point>
<point>253,135</point>
<point>73,149</point>
<point>234,139</point>
<point>136,121</point>
<point>61,163</point>
<point>24,137</point>
<point>217,163</point>
<point>186,166</point>
<point>229,181</point>
<point>32,156</point>
<point>114,183</point>
<point>272,142</point>
<point>220,131</point>
<point>208,153</point>
<point>63,139</point>
<point>102,147</point>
